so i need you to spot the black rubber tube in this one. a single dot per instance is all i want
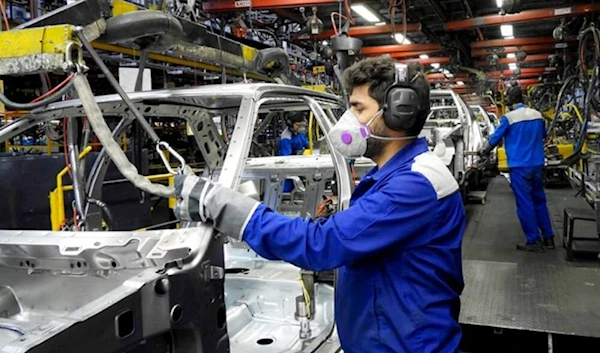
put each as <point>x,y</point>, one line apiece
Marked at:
<point>110,220</point>
<point>113,81</point>
<point>151,30</point>
<point>30,106</point>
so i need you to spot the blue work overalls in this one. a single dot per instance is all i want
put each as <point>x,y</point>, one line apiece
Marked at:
<point>524,132</point>
<point>398,250</point>
<point>291,144</point>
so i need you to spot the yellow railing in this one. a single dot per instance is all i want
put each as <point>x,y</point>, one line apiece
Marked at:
<point>57,196</point>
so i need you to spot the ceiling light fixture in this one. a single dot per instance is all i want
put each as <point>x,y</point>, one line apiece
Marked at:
<point>424,56</point>
<point>365,13</point>
<point>506,30</point>
<point>435,65</point>
<point>401,39</point>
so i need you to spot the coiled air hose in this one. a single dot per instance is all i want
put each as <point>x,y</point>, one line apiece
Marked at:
<point>113,149</point>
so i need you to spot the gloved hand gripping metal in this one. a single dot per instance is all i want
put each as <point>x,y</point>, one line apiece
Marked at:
<point>202,200</point>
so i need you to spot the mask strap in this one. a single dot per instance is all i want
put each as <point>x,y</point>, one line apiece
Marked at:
<point>366,132</point>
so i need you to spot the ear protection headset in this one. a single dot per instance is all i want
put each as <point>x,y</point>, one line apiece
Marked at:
<point>401,103</point>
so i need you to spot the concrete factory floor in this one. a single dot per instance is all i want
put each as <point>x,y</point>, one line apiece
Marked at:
<point>526,295</point>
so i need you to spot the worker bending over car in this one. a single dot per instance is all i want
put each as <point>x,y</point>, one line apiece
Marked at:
<point>398,245</point>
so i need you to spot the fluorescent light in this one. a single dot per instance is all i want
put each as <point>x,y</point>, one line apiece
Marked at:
<point>511,55</point>
<point>424,56</point>
<point>380,24</point>
<point>460,83</point>
<point>512,66</point>
<point>435,66</point>
<point>400,39</point>
<point>365,13</point>
<point>499,3</point>
<point>506,30</point>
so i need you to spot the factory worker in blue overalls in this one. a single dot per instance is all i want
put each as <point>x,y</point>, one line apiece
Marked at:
<point>398,245</point>
<point>524,131</point>
<point>292,141</point>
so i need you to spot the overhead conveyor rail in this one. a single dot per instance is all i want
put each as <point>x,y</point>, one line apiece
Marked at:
<point>126,28</point>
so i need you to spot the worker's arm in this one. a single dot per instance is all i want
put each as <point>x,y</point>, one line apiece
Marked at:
<point>495,139</point>
<point>398,215</point>
<point>305,141</point>
<point>497,136</point>
<point>285,147</point>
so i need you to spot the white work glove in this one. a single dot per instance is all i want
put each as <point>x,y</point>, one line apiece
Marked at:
<point>201,200</point>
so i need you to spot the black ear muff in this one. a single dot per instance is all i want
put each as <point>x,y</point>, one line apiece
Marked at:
<point>402,103</point>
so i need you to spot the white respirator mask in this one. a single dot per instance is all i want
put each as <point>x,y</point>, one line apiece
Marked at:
<point>349,137</point>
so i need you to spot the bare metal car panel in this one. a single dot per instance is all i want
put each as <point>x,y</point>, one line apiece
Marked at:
<point>168,290</point>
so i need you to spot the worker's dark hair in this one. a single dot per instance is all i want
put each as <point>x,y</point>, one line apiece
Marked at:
<point>296,117</point>
<point>514,95</point>
<point>380,73</point>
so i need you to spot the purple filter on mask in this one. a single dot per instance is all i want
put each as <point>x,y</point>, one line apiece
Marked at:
<point>365,132</point>
<point>346,137</point>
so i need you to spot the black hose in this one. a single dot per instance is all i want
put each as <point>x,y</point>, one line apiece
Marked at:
<point>108,216</point>
<point>30,106</point>
<point>559,102</point>
<point>139,117</point>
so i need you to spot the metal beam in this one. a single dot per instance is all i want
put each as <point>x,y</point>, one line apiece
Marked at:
<point>176,61</point>
<point>244,5</point>
<point>410,54</point>
<point>528,59</point>
<point>459,77</point>
<point>526,48</point>
<point>442,60</point>
<point>528,71</point>
<point>362,31</point>
<point>523,16</point>
<point>512,42</point>
<point>387,49</point>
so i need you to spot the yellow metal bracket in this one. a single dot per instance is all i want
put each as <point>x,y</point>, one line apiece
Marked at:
<point>34,50</point>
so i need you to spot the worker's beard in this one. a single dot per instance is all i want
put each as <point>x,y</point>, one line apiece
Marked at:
<point>375,148</point>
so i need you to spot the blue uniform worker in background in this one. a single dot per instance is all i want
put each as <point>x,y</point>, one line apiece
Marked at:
<point>524,131</point>
<point>398,245</point>
<point>292,142</point>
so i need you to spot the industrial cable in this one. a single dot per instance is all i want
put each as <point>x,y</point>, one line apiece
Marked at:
<point>110,220</point>
<point>588,91</point>
<point>111,79</point>
<point>76,175</point>
<point>50,97</point>
<point>113,149</point>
